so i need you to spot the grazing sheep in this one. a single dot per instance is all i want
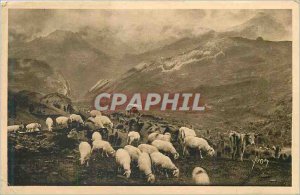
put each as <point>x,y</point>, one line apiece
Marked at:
<point>158,136</point>
<point>96,136</point>
<point>265,152</point>
<point>85,153</point>
<point>133,136</point>
<point>285,154</point>
<point>166,147</point>
<point>104,146</point>
<point>185,132</point>
<point>145,166</point>
<point>32,127</point>
<point>98,122</point>
<point>91,119</point>
<point>200,143</point>
<point>76,118</point>
<point>49,123</point>
<point>106,121</point>
<point>95,113</point>
<point>200,176</point>
<point>163,162</point>
<point>147,148</point>
<point>62,121</point>
<point>15,128</point>
<point>134,152</point>
<point>123,160</point>
<point>239,142</point>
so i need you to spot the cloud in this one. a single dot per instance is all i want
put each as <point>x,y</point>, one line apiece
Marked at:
<point>129,25</point>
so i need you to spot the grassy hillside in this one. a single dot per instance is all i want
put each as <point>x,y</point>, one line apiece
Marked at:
<point>243,82</point>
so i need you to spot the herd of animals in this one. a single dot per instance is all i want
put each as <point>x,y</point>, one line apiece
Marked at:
<point>156,155</point>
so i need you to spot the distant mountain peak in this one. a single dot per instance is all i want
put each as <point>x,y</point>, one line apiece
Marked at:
<point>262,24</point>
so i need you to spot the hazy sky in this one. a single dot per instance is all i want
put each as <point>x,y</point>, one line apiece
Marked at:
<point>28,24</point>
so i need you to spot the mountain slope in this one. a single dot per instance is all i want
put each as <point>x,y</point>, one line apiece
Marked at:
<point>261,25</point>
<point>175,48</point>
<point>35,75</point>
<point>240,79</point>
<point>70,54</point>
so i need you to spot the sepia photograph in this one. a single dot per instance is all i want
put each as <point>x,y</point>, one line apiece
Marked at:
<point>150,97</point>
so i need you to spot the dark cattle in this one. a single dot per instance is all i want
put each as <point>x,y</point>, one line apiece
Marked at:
<point>118,141</point>
<point>111,139</point>
<point>104,133</point>
<point>239,141</point>
<point>220,148</point>
<point>77,135</point>
<point>120,126</point>
<point>90,126</point>
<point>135,125</point>
<point>277,151</point>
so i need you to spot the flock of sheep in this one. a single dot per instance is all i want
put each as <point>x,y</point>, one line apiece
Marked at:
<point>151,158</point>
<point>157,156</point>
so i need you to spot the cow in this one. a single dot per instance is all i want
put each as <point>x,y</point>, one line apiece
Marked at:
<point>239,141</point>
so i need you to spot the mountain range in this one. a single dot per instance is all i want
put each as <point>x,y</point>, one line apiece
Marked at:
<point>35,76</point>
<point>88,56</point>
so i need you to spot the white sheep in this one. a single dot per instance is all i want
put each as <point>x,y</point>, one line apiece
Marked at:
<point>200,176</point>
<point>62,121</point>
<point>147,148</point>
<point>98,122</point>
<point>106,121</point>
<point>104,146</point>
<point>133,136</point>
<point>95,113</point>
<point>134,152</point>
<point>185,132</point>
<point>49,123</point>
<point>15,128</point>
<point>166,147</point>
<point>123,160</point>
<point>158,136</point>
<point>285,153</point>
<point>91,119</point>
<point>76,118</point>
<point>32,127</point>
<point>145,166</point>
<point>96,136</point>
<point>85,153</point>
<point>163,162</point>
<point>200,143</point>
